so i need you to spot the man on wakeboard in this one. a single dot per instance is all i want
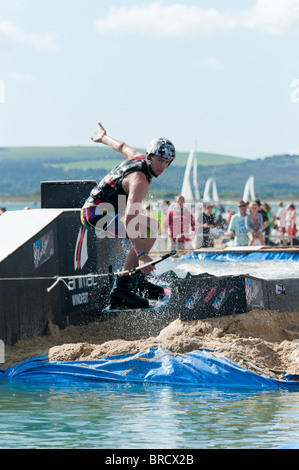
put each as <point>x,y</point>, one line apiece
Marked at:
<point>123,190</point>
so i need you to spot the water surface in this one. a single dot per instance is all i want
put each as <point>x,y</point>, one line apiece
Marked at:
<point>144,416</point>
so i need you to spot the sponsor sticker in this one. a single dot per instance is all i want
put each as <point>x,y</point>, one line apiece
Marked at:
<point>43,249</point>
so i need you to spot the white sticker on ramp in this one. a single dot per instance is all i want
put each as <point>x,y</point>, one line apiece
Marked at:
<point>2,352</point>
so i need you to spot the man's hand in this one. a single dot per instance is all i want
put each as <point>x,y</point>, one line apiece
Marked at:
<point>144,260</point>
<point>100,134</point>
<point>124,149</point>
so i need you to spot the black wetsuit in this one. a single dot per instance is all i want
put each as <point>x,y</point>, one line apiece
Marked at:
<point>110,187</point>
<point>109,190</point>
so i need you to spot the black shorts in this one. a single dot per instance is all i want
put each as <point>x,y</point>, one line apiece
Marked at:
<point>103,223</point>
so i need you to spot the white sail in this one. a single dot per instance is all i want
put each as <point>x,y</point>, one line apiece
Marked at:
<point>191,194</point>
<point>211,186</point>
<point>215,193</point>
<point>186,188</point>
<point>206,194</point>
<point>249,193</point>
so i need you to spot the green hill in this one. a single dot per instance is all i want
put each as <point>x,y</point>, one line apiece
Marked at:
<point>23,168</point>
<point>96,156</point>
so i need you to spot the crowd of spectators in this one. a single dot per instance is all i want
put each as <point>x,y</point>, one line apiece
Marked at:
<point>262,226</point>
<point>254,223</point>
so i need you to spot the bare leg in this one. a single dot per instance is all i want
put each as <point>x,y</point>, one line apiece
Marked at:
<point>251,239</point>
<point>145,223</point>
<point>131,261</point>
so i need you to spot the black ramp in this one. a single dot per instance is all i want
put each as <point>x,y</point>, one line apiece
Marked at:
<point>208,297</point>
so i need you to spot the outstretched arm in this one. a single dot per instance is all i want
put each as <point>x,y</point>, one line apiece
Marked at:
<point>118,146</point>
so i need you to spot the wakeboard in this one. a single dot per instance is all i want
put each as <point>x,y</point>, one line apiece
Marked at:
<point>154,304</point>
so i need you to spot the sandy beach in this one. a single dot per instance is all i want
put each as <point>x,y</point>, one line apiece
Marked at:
<point>269,340</point>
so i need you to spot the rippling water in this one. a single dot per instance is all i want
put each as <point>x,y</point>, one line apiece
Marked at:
<point>144,416</point>
<point>263,269</point>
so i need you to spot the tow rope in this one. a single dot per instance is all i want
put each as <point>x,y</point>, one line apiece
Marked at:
<point>62,278</point>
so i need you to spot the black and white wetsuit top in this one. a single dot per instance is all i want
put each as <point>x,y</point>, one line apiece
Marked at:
<point>108,190</point>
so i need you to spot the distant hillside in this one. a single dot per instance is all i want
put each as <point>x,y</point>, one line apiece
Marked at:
<point>23,168</point>
<point>274,176</point>
<point>96,156</point>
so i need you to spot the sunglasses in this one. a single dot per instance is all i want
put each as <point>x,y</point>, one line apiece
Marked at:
<point>242,205</point>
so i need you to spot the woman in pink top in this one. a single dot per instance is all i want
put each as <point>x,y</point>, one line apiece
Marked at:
<point>291,217</point>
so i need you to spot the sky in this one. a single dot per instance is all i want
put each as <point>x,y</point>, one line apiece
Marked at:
<point>219,75</point>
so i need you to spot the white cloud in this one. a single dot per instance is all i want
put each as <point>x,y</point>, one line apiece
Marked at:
<point>276,17</point>
<point>158,20</point>
<point>178,20</point>
<point>10,33</point>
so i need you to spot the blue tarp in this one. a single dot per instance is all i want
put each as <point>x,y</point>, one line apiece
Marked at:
<point>196,368</point>
<point>252,256</point>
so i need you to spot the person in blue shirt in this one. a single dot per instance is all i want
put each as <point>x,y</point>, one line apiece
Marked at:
<point>237,226</point>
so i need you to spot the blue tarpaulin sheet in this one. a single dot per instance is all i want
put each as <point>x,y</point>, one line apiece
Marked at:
<point>252,256</point>
<point>196,368</point>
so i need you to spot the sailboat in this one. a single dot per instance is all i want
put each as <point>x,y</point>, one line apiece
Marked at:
<point>187,191</point>
<point>249,193</point>
<point>211,185</point>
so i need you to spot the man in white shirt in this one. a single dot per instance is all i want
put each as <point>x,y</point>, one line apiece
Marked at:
<point>237,228</point>
<point>281,219</point>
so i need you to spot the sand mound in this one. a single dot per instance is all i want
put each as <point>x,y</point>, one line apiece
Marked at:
<point>265,338</point>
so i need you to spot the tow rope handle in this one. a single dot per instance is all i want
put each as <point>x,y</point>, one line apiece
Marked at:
<point>110,275</point>
<point>131,272</point>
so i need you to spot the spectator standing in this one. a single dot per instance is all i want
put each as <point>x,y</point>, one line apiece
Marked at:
<point>159,214</point>
<point>208,222</point>
<point>275,234</point>
<point>265,219</point>
<point>179,222</point>
<point>163,212</point>
<point>230,213</point>
<point>281,220</point>
<point>267,208</point>
<point>254,224</point>
<point>237,226</point>
<point>291,216</point>
<point>220,221</point>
